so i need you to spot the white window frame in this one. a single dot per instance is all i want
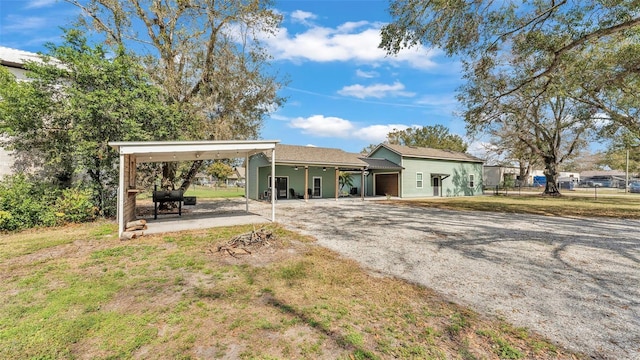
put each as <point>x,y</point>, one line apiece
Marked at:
<point>472,178</point>
<point>419,181</point>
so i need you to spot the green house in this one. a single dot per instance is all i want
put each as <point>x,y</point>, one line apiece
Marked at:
<point>424,172</point>
<point>304,172</point>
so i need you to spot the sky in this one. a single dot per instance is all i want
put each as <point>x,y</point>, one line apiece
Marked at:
<point>343,91</point>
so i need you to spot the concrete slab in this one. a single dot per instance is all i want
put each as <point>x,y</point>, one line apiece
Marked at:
<point>204,215</point>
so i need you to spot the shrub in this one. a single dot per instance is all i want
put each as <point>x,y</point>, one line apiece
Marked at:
<point>5,219</point>
<point>24,202</point>
<point>74,206</point>
<point>27,203</point>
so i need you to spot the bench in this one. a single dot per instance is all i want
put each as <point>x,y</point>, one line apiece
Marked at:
<point>165,196</point>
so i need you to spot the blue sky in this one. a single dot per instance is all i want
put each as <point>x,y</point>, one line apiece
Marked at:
<point>343,92</point>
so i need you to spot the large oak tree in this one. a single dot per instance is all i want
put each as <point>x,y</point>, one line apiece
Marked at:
<point>205,54</point>
<point>77,100</point>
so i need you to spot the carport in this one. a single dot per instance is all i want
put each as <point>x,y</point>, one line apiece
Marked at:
<point>133,153</point>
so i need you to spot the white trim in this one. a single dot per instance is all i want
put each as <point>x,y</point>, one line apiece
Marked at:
<point>421,180</point>
<point>472,180</point>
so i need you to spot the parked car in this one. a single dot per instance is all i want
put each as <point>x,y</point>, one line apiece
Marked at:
<point>634,187</point>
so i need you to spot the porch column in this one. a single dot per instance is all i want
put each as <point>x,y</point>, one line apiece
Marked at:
<point>337,183</point>
<point>273,184</point>
<point>362,185</point>
<point>306,183</point>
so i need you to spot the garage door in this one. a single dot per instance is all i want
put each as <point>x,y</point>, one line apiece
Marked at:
<point>387,184</point>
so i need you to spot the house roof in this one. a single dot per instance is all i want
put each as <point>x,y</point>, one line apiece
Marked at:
<point>381,164</point>
<point>16,58</point>
<point>429,153</point>
<point>586,174</point>
<point>238,173</point>
<point>301,155</point>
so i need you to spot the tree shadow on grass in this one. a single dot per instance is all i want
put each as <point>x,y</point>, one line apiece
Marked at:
<point>358,351</point>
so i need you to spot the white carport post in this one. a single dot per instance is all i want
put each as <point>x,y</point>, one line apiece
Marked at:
<point>246,180</point>
<point>273,184</point>
<point>121,195</point>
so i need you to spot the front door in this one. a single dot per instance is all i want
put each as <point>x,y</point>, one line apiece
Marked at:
<point>435,183</point>
<point>317,187</point>
<point>282,184</point>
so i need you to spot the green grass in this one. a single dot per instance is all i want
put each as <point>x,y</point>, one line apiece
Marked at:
<point>205,192</point>
<point>79,292</point>
<point>214,193</point>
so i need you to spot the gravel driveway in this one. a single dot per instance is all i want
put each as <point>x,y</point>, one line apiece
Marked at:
<point>575,281</point>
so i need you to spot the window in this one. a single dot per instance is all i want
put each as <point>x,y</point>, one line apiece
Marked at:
<point>471,180</point>
<point>419,180</point>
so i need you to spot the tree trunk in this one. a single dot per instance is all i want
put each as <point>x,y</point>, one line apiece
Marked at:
<point>551,173</point>
<point>525,170</point>
<point>168,183</point>
<point>168,175</point>
<point>187,179</point>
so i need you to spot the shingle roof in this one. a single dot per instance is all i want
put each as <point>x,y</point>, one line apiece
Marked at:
<point>429,153</point>
<point>381,164</point>
<point>585,174</point>
<point>300,155</point>
<point>16,58</point>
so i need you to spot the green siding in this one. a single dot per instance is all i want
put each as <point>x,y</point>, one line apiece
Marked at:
<point>296,179</point>
<point>255,162</point>
<point>457,184</point>
<point>384,153</point>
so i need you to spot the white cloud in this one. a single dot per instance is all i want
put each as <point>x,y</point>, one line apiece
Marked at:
<point>319,125</point>
<point>36,4</point>
<point>329,126</point>
<point>300,16</point>
<point>377,133</point>
<point>351,41</point>
<point>24,23</point>
<point>367,74</point>
<point>375,91</point>
<point>275,116</point>
<point>438,100</point>
<point>485,150</point>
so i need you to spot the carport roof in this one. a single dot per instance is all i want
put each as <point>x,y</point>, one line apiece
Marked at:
<point>166,151</point>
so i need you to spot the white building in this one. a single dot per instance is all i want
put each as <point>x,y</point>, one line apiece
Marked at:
<point>13,60</point>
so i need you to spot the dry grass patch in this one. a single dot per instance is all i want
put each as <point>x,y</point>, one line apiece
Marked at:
<point>174,296</point>
<point>622,206</point>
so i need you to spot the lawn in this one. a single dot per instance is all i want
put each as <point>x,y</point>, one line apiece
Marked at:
<point>626,206</point>
<point>205,192</point>
<point>79,292</point>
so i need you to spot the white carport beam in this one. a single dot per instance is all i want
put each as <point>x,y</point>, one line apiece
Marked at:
<point>273,184</point>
